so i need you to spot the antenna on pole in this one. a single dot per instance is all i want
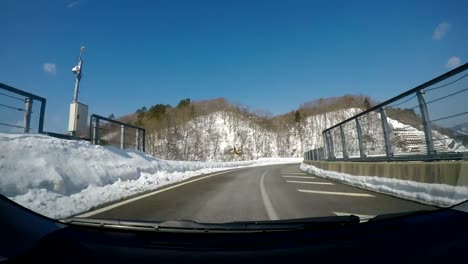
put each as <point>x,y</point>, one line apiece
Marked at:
<point>77,124</point>
<point>77,71</point>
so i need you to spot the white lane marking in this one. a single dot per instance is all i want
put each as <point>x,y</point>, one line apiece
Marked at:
<point>318,183</point>
<point>337,193</point>
<point>266,200</point>
<point>299,177</point>
<point>112,206</point>
<point>362,217</point>
<point>292,173</point>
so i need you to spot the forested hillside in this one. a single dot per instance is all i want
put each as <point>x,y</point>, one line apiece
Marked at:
<point>217,130</point>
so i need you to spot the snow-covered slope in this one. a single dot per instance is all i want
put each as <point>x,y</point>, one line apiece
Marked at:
<point>59,178</point>
<point>228,136</point>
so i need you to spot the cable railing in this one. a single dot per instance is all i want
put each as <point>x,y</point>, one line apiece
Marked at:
<point>16,110</point>
<point>106,131</point>
<point>402,128</point>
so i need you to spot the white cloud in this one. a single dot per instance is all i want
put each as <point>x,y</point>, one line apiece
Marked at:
<point>72,4</point>
<point>50,68</point>
<point>441,30</point>
<point>453,62</point>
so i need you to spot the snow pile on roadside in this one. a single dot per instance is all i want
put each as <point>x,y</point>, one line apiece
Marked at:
<point>59,178</point>
<point>429,193</point>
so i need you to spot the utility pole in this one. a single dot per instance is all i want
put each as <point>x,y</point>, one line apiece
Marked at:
<point>78,112</point>
<point>77,71</point>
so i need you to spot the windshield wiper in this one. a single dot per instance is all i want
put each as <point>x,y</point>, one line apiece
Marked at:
<point>395,215</point>
<point>241,226</point>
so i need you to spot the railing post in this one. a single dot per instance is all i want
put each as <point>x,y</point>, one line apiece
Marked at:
<point>386,133</point>
<point>331,146</point>
<point>27,114</point>
<point>359,134</point>
<point>95,131</point>
<point>144,140</point>
<point>325,145</point>
<point>122,136</point>
<point>40,128</point>
<point>343,143</point>
<point>426,123</point>
<point>137,139</point>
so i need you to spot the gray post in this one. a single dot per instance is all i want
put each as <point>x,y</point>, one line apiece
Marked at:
<point>359,134</point>
<point>386,133</point>
<point>144,141</point>
<point>426,123</point>
<point>325,145</point>
<point>137,140</point>
<point>122,136</point>
<point>343,143</point>
<point>95,131</point>
<point>40,129</point>
<point>313,154</point>
<point>331,145</point>
<point>27,114</point>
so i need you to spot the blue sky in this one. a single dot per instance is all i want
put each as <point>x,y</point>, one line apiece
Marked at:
<point>271,55</point>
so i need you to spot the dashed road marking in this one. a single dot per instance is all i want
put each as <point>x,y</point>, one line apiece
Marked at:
<point>337,193</point>
<point>300,177</point>
<point>318,183</point>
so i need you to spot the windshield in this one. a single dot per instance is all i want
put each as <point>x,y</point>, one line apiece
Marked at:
<point>223,111</point>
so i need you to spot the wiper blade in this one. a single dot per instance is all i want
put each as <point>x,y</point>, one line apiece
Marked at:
<point>395,215</point>
<point>240,226</point>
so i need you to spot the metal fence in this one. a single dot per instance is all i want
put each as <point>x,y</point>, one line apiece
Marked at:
<point>315,154</point>
<point>21,111</point>
<point>106,131</point>
<point>428,122</point>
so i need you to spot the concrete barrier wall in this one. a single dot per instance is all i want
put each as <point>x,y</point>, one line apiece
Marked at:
<point>445,172</point>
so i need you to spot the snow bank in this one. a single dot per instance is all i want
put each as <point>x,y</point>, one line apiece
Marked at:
<point>59,178</point>
<point>429,193</point>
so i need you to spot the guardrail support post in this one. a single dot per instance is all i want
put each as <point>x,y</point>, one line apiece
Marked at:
<point>386,133</point>
<point>325,145</point>
<point>122,136</point>
<point>343,143</point>
<point>331,146</point>
<point>144,141</point>
<point>426,123</point>
<point>359,134</point>
<point>40,129</point>
<point>95,140</point>
<point>27,114</point>
<point>137,139</point>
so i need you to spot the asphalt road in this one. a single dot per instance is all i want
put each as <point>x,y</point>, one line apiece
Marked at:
<point>258,193</point>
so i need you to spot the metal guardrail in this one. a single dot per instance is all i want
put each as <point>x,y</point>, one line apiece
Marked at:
<point>403,127</point>
<point>106,131</point>
<point>17,95</point>
<point>315,154</point>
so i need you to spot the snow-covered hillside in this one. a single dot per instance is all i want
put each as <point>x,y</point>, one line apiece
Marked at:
<point>59,178</point>
<point>228,136</point>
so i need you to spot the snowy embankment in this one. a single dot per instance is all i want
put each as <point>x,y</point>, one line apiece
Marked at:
<point>442,195</point>
<point>59,178</point>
